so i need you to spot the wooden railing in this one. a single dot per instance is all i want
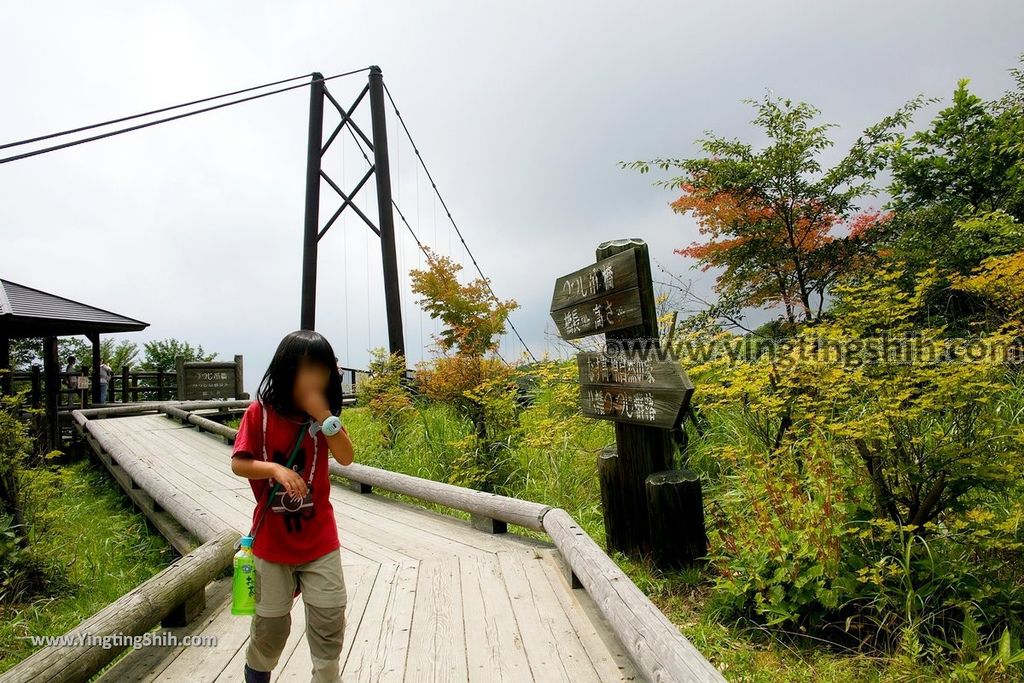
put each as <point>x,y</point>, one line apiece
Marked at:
<point>132,386</point>
<point>127,386</point>
<point>654,643</point>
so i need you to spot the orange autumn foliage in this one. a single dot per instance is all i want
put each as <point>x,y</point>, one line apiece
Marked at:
<point>778,257</point>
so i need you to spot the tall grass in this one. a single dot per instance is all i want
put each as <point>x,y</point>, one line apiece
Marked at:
<point>91,543</point>
<point>551,459</point>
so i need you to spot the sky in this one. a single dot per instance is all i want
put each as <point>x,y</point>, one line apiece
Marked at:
<point>522,112</point>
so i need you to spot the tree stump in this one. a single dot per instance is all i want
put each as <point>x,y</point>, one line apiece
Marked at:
<point>675,507</point>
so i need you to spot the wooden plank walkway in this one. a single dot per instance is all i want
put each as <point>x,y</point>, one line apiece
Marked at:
<point>430,597</point>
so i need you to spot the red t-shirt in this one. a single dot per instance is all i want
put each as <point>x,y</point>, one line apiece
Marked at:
<point>302,535</point>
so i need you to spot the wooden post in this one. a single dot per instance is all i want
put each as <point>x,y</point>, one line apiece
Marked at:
<point>52,384</point>
<point>179,378</point>
<point>632,382</point>
<point>37,386</point>
<point>642,450</point>
<point>124,384</point>
<point>6,380</point>
<point>186,612</point>
<point>239,384</point>
<point>94,382</point>
<point>608,475</point>
<point>676,511</point>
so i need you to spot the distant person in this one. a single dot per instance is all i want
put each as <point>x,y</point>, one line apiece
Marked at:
<point>106,372</point>
<point>69,371</point>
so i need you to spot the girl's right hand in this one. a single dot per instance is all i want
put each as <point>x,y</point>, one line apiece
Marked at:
<point>291,481</point>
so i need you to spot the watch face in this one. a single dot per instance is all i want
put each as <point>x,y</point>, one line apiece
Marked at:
<point>332,425</point>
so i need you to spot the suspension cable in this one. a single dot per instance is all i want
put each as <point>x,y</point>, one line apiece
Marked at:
<point>447,211</point>
<point>149,113</point>
<point>159,121</point>
<point>419,244</point>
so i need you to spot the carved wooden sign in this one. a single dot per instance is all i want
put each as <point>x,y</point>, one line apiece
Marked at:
<point>218,379</point>
<point>634,387</point>
<point>599,298</point>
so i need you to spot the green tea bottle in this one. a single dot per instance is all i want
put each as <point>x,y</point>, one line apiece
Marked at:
<point>243,592</point>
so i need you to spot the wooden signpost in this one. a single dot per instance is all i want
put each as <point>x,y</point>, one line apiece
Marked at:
<point>644,392</point>
<point>599,298</point>
<point>633,387</point>
<point>217,379</point>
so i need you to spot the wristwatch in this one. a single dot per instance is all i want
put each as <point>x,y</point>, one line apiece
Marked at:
<point>330,426</point>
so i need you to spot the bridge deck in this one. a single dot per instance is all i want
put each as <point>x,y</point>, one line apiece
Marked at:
<point>430,597</point>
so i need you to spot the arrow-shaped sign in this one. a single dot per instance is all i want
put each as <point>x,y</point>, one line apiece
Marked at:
<point>633,386</point>
<point>601,297</point>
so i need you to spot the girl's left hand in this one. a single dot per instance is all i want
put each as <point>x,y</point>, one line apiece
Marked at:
<point>315,404</point>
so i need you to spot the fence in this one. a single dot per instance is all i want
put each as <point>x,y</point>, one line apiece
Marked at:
<point>132,386</point>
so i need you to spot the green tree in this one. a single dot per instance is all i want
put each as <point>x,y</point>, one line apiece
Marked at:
<point>478,385</point>
<point>772,215</point>
<point>160,354</point>
<point>115,352</point>
<point>958,186</point>
<point>118,352</point>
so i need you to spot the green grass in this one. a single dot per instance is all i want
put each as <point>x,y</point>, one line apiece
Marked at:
<point>557,467</point>
<point>91,546</point>
<point>554,463</point>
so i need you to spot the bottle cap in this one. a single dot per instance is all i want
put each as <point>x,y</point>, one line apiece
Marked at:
<point>246,541</point>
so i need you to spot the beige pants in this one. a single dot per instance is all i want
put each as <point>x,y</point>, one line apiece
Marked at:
<point>324,597</point>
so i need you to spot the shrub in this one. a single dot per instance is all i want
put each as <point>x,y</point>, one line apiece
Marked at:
<point>382,392</point>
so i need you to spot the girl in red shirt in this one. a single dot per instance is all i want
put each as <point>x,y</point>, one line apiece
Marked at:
<point>296,545</point>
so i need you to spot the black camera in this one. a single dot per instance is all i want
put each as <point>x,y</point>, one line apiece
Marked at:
<point>284,502</point>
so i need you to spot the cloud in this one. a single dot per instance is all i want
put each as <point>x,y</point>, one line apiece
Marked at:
<point>521,110</point>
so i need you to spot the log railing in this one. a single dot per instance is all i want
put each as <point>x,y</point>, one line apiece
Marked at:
<point>655,644</point>
<point>102,636</point>
<point>131,386</point>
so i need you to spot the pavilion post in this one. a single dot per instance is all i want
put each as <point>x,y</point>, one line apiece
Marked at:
<point>5,366</point>
<point>94,383</point>
<point>52,384</point>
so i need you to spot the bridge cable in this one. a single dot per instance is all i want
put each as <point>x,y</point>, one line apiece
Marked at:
<point>149,113</point>
<point>119,131</point>
<point>443,204</point>
<point>411,232</point>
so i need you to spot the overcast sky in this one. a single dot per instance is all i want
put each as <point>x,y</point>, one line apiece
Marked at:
<point>521,111</point>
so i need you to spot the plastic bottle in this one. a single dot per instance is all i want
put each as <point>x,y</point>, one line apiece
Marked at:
<point>243,589</point>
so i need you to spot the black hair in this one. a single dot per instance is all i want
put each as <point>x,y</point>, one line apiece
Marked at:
<point>278,381</point>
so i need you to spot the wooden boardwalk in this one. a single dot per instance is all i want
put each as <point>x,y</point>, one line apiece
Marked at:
<point>430,597</point>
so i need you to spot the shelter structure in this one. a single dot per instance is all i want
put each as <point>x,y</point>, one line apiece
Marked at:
<point>26,312</point>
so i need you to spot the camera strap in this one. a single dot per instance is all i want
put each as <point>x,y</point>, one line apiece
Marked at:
<point>295,449</point>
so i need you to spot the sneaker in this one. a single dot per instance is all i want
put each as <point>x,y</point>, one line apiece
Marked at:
<point>254,676</point>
